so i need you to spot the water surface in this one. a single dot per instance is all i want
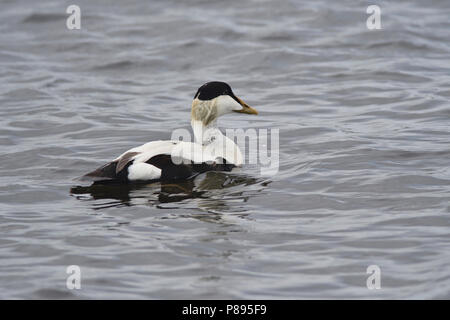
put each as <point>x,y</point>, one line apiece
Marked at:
<point>364,174</point>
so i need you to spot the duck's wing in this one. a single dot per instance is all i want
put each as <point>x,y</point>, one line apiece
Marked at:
<point>118,170</point>
<point>156,160</point>
<point>131,165</point>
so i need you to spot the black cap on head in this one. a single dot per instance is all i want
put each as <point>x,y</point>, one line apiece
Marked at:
<point>213,89</point>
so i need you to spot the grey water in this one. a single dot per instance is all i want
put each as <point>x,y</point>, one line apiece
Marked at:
<point>364,150</point>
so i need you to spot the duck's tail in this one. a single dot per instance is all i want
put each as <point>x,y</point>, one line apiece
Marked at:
<point>104,173</point>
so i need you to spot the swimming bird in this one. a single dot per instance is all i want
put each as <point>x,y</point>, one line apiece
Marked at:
<point>174,159</point>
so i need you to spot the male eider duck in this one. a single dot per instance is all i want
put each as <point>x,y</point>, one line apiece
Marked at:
<point>173,159</point>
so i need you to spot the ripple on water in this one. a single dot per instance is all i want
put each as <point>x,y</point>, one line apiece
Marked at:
<point>364,175</point>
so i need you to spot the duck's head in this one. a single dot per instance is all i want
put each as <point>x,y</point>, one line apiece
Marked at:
<point>214,99</point>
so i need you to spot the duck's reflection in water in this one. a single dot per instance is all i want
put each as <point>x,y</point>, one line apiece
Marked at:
<point>211,191</point>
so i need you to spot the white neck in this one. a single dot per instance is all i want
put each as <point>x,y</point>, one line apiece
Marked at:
<point>212,140</point>
<point>205,134</point>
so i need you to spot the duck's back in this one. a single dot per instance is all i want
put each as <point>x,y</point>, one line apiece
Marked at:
<point>159,160</point>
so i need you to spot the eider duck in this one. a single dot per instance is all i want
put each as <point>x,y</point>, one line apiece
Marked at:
<point>173,159</point>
